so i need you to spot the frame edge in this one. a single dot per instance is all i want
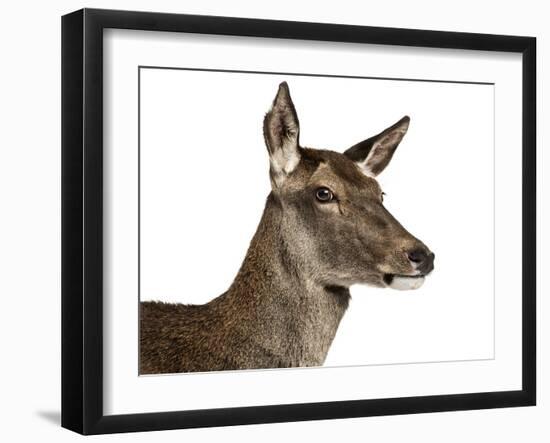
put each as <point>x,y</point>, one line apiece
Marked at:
<point>72,318</point>
<point>529,220</point>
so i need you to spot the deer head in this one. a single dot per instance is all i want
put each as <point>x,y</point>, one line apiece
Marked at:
<point>334,223</point>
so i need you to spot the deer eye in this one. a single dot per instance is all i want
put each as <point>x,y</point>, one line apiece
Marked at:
<point>324,195</point>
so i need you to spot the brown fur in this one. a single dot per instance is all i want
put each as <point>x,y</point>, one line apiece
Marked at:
<point>286,302</point>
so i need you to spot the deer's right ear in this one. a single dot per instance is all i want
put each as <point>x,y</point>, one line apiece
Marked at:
<point>281,132</point>
<point>373,154</point>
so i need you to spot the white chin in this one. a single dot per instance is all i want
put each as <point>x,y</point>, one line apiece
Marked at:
<point>404,283</point>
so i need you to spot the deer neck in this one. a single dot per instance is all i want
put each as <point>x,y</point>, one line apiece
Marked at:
<point>278,303</point>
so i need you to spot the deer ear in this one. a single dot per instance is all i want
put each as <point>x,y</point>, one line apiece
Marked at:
<point>373,154</point>
<point>281,131</point>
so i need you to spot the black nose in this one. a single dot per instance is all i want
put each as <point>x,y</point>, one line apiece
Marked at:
<point>422,259</point>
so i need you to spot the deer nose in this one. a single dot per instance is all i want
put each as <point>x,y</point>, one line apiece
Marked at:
<point>422,260</point>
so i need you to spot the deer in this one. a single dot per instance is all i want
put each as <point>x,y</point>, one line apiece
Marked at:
<point>324,229</point>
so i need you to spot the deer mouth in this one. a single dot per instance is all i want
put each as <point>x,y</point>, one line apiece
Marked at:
<point>404,282</point>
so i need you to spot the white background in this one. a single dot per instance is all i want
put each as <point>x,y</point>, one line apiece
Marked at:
<point>30,186</point>
<point>204,181</point>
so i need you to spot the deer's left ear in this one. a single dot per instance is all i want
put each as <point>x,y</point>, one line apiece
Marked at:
<point>281,132</point>
<point>373,154</point>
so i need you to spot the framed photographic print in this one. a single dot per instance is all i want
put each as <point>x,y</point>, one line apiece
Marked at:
<point>269,221</point>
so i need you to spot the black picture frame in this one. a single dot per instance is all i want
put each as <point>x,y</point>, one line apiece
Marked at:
<point>82,218</point>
